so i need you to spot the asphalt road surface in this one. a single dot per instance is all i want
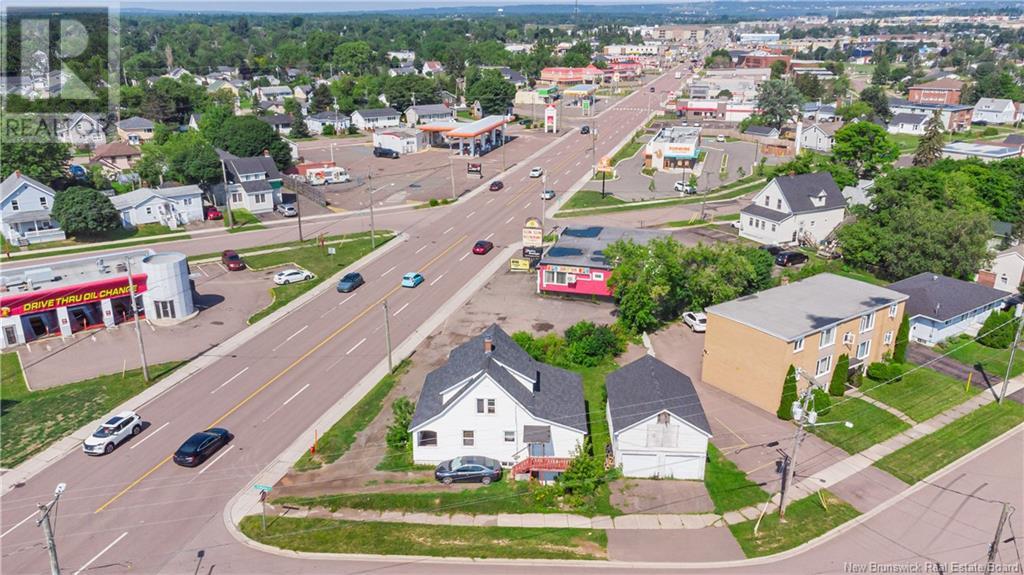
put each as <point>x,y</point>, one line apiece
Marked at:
<point>136,511</point>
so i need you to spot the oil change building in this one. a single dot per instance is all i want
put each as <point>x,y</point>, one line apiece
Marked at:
<point>64,298</point>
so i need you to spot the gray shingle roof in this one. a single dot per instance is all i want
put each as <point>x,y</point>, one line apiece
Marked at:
<point>585,246</point>
<point>942,298</point>
<point>328,116</point>
<point>15,180</point>
<point>256,186</point>
<point>277,119</point>
<point>560,398</point>
<point>648,386</point>
<point>253,165</point>
<point>906,118</point>
<point>799,189</point>
<point>136,197</point>
<point>764,131</point>
<point>135,123</point>
<point>765,213</point>
<point>377,112</point>
<point>430,109</point>
<point>1014,140</point>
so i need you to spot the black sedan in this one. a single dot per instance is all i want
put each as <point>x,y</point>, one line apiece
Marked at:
<point>786,259</point>
<point>350,282</point>
<point>201,446</point>
<point>497,185</point>
<point>471,468</point>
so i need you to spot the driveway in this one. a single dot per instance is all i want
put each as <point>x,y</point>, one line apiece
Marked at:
<point>633,495</point>
<point>921,355</point>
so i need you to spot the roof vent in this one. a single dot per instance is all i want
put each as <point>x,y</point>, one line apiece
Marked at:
<point>536,382</point>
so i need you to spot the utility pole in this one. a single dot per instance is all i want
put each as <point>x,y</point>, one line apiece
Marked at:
<point>451,174</point>
<point>47,524</point>
<point>298,213</point>
<point>135,312</point>
<point>227,194</point>
<point>994,547</point>
<point>369,189</point>
<point>387,334</point>
<point>1009,365</point>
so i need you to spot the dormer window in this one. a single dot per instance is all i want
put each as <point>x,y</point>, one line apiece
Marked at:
<point>819,199</point>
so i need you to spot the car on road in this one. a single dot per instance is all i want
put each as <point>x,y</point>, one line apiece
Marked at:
<point>292,275</point>
<point>684,188</point>
<point>547,195</point>
<point>496,185</point>
<point>771,249</point>
<point>379,152</point>
<point>720,138</point>
<point>482,247</point>
<point>697,321</point>
<point>212,213</point>
<point>289,210</point>
<point>349,282</point>
<point>232,260</point>
<point>651,89</point>
<point>201,446</point>
<point>696,124</point>
<point>786,259</point>
<point>537,172</point>
<point>468,468</point>
<point>584,129</point>
<point>112,433</point>
<point>412,279</point>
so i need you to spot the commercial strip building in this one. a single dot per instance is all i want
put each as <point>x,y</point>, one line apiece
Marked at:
<point>567,76</point>
<point>701,110</point>
<point>576,265</point>
<point>673,148</point>
<point>64,298</point>
<point>470,139</point>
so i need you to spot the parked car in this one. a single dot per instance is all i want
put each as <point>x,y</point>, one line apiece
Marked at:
<point>684,188</point>
<point>292,275</point>
<point>112,433</point>
<point>771,249</point>
<point>482,247</point>
<point>720,138</point>
<point>696,124</point>
<point>697,321</point>
<point>470,468</point>
<point>350,282</point>
<point>412,279</point>
<point>684,123</point>
<point>584,129</point>
<point>537,172</point>
<point>496,185</point>
<point>212,213</point>
<point>287,210</point>
<point>547,195</point>
<point>786,259</point>
<point>385,153</point>
<point>201,446</point>
<point>232,260</point>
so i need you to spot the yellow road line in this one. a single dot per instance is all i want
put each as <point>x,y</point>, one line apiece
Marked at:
<point>282,373</point>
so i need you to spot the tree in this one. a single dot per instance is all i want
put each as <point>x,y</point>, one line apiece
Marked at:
<point>85,212</point>
<point>724,95</point>
<point>899,350</point>
<point>778,69</point>
<point>494,93</point>
<point>809,86</point>
<point>837,387</point>
<point>402,90</point>
<point>328,130</point>
<point>778,101</point>
<point>881,74</point>
<point>247,136</point>
<point>578,56</point>
<point>322,99</point>
<point>999,329</point>
<point>785,410</point>
<point>397,437</point>
<point>879,102</point>
<point>299,128</point>
<point>190,159</point>
<point>865,148</point>
<point>43,161</point>
<point>854,111</point>
<point>354,58</point>
<point>929,147</point>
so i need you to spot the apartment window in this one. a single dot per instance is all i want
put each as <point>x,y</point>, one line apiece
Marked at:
<point>510,436</point>
<point>887,340</point>
<point>798,345</point>
<point>867,322</point>
<point>828,337</point>
<point>824,366</point>
<point>892,310</point>
<point>467,438</point>
<point>427,439</point>
<point>14,205</point>
<point>42,201</point>
<point>863,349</point>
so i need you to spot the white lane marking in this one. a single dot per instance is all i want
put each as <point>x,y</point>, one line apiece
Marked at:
<point>554,182</point>
<point>100,554</point>
<point>148,435</point>
<point>448,230</point>
<point>528,204</point>
<point>579,162</point>
<point>346,299</point>
<point>327,312</point>
<point>245,369</point>
<point>17,526</point>
<point>223,453</point>
<point>390,269</point>
<point>470,215</point>
<point>464,256</point>
<point>355,346</point>
<point>419,250</point>
<point>294,395</point>
<point>510,219</point>
<point>489,236</point>
<point>301,329</point>
<point>437,279</point>
<point>400,309</point>
<point>488,201</point>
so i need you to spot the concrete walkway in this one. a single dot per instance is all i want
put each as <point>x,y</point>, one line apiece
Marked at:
<point>857,393</point>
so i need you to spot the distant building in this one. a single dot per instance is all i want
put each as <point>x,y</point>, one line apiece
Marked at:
<point>115,157</point>
<point>281,123</point>
<point>819,137</point>
<point>428,113</point>
<point>401,140</point>
<point>317,122</point>
<point>432,67</point>
<point>941,307</point>
<point>135,130</point>
<point>955,117</point>
<point>980,150</point>
<point>758,38</point>
<point>172,207</point>
<point>565,76</point>
<point>673,148</point>
<point>942,91</point>
<point>905,123</point>
<point>82,130</point>
<point>994,111</point>
<point>372,118</point>
<point>1006,273</point>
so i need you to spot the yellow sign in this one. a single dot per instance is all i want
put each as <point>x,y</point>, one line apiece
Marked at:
<point>532,223</point>
<point>604,164</point>
<point>571,270</point>
<point>519,265</point>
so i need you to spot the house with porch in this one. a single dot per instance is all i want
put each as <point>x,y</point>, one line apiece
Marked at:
<point>172,207</point>
<point>791,209</point>
<point>941,307</point>
<point>491,398</point>
<point>25,206</point>
<point>253,183</point>
<point>135,130</point>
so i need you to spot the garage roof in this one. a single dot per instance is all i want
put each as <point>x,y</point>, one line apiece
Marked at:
<point>647,387</point>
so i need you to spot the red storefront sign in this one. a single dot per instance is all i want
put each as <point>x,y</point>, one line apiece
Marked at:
<point>42,300</point>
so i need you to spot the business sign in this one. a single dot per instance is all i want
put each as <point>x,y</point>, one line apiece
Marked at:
<point>533,233</point>
<point>571,270</point>
<point>551,119</point>
<point>519,265</point>
<point>88,292</point>
<point>533,253</point>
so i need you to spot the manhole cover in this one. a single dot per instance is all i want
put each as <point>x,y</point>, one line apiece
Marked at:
<point>216,323</point>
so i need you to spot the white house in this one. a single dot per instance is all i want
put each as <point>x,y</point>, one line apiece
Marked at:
<point>789,209</point>
<point>317,122</point>
<point>171,207</point>
<point>273,93</point>
<point>253,183</point>
<point>431,67</point>
<point>82,130</point>
<point>908,124</point>
<point>1006,272</point>
<point>492,399</point>
<point>657,424</point>
<point>994,111</point>
<point>281,123</point>
<point>819,137</point>
<point>375,118</point>
<point>25,206</point>
<point>941,307</point>
<point>427,114</point>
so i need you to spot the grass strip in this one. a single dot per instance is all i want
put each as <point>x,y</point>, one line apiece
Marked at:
<point>922,393</point>
<point>871,425</point>
<point>806,519</point>
<point>988,359</point>
<point>630,206</point>
<point>728,485</point>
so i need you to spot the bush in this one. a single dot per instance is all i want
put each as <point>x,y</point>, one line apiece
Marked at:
<point>434,202</point>
<point>899,351</point>
<point>785,411</point>
<point>840,374</point>
<point>329,130</point>
<point>822,401</point>
<point>589,344</point>
<point>999,330</point>
<point>585,472</point>
<point>886,372</point>
<point>989,131</point>
<point>398,431</point>
<point>352,130</point>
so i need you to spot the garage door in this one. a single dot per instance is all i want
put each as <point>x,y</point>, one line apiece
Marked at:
<point>639,464</point>
<point>682,467</point>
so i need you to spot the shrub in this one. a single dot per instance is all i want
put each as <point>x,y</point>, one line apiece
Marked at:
<point>886,372</point>
<point>999,330</point>
<point>822,401</point>
<point>989,131</point>
<point>329,130</point>
<point>585,472</point>
<point>899,351</point>
<point>785,411</point>
<point>589,344</point>
<point>840,374</point>
<point>398,431</point>
<point>352,130</point>
<point>434,202</point>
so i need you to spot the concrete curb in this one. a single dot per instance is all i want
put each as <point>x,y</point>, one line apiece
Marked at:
<point>69,443</point>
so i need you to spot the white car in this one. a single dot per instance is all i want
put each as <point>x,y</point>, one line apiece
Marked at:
<point>684,188</point>
<point>547,195</point>
<point>537,172</point>
<point>697,321</point>
<point>112,433</point>
<point>285,277</point>
<point>720,138</point>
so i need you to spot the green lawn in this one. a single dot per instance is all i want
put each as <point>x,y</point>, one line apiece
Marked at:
<point>339,438</point>
<point>590,199</point>
<point>337,536</point>
<point>871,425</point>
<point>243,221</point>
<point>922,393</point>
<point>725,193</point>
<point>906,142</point>
<point>31,421</point>
<point>992,361</point>
<point>596,397</point>
<point>630,149</point>
<point>805,520</point>
<point>314,259</point>
<point>921,458</point>
<point>728,486</point>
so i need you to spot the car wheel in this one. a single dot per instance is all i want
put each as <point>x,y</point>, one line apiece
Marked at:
<point>447,481</point>
<point>137,430</point>
<point>486,480</point>
<point>108,448</point>
<point>286,282</point>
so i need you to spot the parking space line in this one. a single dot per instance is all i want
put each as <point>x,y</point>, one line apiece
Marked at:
<point>148,435</point>
<point>528,204</point>
<point>437,279</point>
<point>419,250</point>
<point>245,369</point>
<point>466,255</point>
<point>349,352</point>
<point>390,269</point>
<point>223,453</point>
<point>346,299</point>
<point>100,554</point>
<point>469,215</point>
<point>401,308</point>
<point>448,230</point>
<point>18,525</point>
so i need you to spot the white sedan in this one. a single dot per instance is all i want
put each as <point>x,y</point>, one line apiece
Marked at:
<point>288,276</point>
<point>537,172</point>
<point>112,433</point>
<point>697,321</point>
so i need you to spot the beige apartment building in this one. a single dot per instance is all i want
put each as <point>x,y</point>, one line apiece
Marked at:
<point>751,341</point>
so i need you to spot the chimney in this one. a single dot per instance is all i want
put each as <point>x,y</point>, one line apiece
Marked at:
<point>536,382</point>
<point>488,344</point>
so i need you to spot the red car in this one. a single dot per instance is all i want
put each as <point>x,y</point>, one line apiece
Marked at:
<point>497,185</point>
<point>232,260</point>
<point>482,247</point>
<point>212,213</point>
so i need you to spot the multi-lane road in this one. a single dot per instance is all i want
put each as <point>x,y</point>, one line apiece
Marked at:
<point>136,511</point>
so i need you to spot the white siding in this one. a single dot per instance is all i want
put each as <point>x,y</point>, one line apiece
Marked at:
<point>929,332</point>
<point>682,446</point>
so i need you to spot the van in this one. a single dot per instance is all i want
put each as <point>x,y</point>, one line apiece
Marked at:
<point>679,75</point>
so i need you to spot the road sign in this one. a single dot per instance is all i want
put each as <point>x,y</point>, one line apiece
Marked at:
<point>519,265</point>
<point>264,488</point>
<point>331,251</point>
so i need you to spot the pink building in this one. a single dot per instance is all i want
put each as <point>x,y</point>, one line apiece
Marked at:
<point>572,76</point>
<point>576,263</point>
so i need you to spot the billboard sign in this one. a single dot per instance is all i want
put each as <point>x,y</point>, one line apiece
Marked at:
<point>533,233</point>
<point>63,296</point>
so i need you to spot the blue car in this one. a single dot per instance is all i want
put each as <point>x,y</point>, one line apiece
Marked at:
<point>350,282</point>
<point>412,279</point>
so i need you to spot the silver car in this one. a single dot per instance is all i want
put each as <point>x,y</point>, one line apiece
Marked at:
<point>288,210</point>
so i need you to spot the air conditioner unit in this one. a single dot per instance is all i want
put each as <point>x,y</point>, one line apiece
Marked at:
<point>848,338</point>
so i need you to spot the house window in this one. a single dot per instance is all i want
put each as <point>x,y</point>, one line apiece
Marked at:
<point>485,406</point>
<point>187,201</point>
<point>812,223</point>
<point>824,366</point>
<point>887,339</point>
<point>1004,279</point>
<point>149,210</point>
<point>773,227</point>
<point>261,198</point>
<point>798,345</point>
<point>510,436</point>
<point>778,204</point>
<point>427,439</point>
<point>42,202</point>
<point>556,278</point>
<point>467,438</point>
<point>751,222</point>
<point>164,309</point>
<point>828,337</point>
<point>14,205</point>
<point>892,310</point>
<point>863,349</point>
<point>867,322</point>
<point>766,200</point>
<point>236,198</point>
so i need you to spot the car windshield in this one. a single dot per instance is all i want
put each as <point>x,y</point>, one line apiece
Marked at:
<point>232,257</point>
<point>350,278</point>
<point>193,443</point>
<point>104,431</point>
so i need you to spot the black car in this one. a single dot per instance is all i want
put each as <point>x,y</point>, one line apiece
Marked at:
<point>201,446</point>
<point>497,185</point>
<point>385,153</point>
<point>786,259</point>
<point>471,468</point>
<point>652,88</point>
<point>584,129</point>
<point>773,250</point>
<point>350,282</point>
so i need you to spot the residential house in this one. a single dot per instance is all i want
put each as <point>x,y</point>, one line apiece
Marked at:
<point>222,85</point>
<point>25,206</point>
<point>986,152</point>
<point>819,137</point>
<point>819,112</point>
<point>656,420</point>
<point>135,130</point>
<point>511,76</point>
<point>273,93</point>
<point>402,71</point>
<point>905,123</point>
<point>432,67</point>
<point>941,91</point>
<point>193,120</point>
<point>994,111</point>
<point>271,106</point>
<point>404,57</point>
<point>317,122</point>
<point>751,341</point>
<point>955,117</point>
<point>115,157</point>
<point>1006,272</point>
<point>281,123</point>
<point>428,114</point>
<point>762,131</point>
<point>492,399</point>
<point>375,118</point>
<point>177,73</point>
<point>172,207</point>
<point>82,131</point>
<point>253,183</point>
<point>941,307</point>
<point>303,92</point>
<point>576,265</point>
<point>803,208</point>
